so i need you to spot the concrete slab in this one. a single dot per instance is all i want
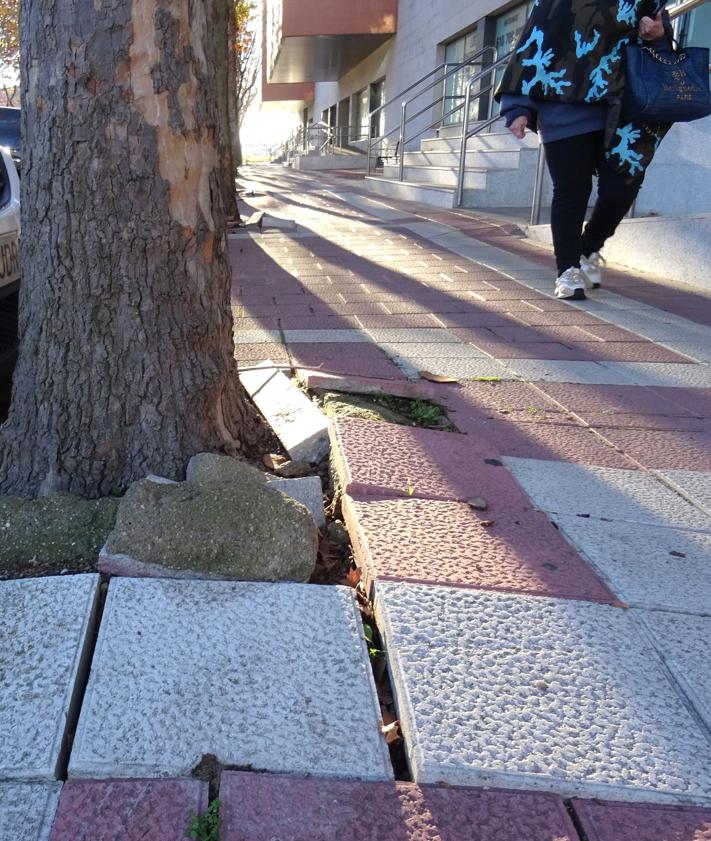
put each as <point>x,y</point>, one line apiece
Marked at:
<point>241,671</point>
<point>27,810</point>
<point>256,337</point>
<point>375,459</point>
<point>626,822</point>
<point>698,350</point>
<point>459,369</point>
<point>435,350</point>
<point>539,694</point>
<point>355,359</point>
<point>664,374</point>
<point>250,355</point>
<point>422,334</point>
<point>325,336</point>
<point>308,491</point>
<point>660,449</point>
<point>259,807</point>
<point>631,496</point>
<point>684,642</point>
<point>435,542</point>
<point>693,484</point>
<point>129,810</point>
<point>646,566</point>
<point>562,371</point>
<point>300,425</point>
<point>44,639</point>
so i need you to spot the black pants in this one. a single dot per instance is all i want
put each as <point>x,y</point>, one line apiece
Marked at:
<point>572,163</point>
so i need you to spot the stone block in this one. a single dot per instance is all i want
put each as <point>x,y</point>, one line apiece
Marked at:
<point>307,490</point>
<point>44,640</point>
<point>129,810</point>
<point>27,810</point>
<point>578,490</point>
<point>602,821</point>
<point>257,674</point>
<point>297,421</point>
<point>260,807</point>
<point>214,467</point>
<point>539,694</point>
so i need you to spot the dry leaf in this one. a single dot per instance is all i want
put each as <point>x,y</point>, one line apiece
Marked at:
<point>392,732</point>
<point>487,523</point>
<point>273,460</point>
<point>353,577</point>
<point>437,378</point>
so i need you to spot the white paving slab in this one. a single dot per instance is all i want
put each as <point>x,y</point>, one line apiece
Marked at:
<point>396,335</point>
<point>256,337</point>
<point>27,810</point>
<point>422,350</point>
<point>645,566</point>
<point>44,630</point>
<point>308,491</point>
<point>300,425</point>
<point>459,369</point>
<point>563,371</point>
<point>685,644</point>
<point>698,350</point>
<point>543,694</point>
<point>325,336</point>
<point>605,492</point>
<point>275,677</point>
<point>694,484</point>
<point>664,374</point>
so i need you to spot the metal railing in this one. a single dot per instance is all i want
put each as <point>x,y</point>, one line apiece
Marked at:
<point>434,79</point>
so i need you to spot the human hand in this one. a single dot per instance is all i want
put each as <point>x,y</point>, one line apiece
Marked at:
<point>518,127</point>
<point>651,28</point>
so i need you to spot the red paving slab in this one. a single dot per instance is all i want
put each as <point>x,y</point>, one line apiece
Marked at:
<point>627,352</point>
<point>318,322</point>
<point>266,807</point>
<point>629,822</point>
<point>270,350</point>
<point>355,358</point>
<point>617,399</point>
<point>635,421</point>
<point>445,543</point>
<point>127,810</point>
<point>499,396</point>
<point>697,401</point>
<point>662,449</point>
<point>397,461</point>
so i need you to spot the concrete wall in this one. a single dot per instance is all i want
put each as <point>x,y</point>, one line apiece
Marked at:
<point>337,17</point>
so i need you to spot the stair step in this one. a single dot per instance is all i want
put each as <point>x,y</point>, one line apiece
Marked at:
<point>487,159</point>
<point>481,142</point>
<point>440,176</point>
<point>424,193</point>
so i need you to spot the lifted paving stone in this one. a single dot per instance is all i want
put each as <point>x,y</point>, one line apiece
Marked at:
<point>605,493</point>
<point>44,633</point>
<point>445,543</point>
<point>299,423</point>
<point>539,694</point>
<point>129,810</point>
<point>626,822</point>
<point>258,675</point>
<point>266,807</point>
<point>646,566</point>
<point>27,810</point>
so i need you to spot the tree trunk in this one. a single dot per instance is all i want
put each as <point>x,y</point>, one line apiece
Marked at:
<point>126,360</point>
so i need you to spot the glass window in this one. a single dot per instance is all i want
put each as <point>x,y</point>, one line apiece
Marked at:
<point>455,85</point>
<point>377,98</point>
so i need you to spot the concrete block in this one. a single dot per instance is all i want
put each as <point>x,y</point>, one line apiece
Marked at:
<point>260,807</point>
<point>539,694</point>
<point>631,496</point>
<point>129,810</point>
<point>631,822</point>
<point>44,635</point>
<point>646,566</point>
<point>258,675</point>
<point>298,422</point>
<point>307,490</point>
<point>27,810</point>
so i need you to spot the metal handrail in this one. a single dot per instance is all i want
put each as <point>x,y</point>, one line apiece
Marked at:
<point>471,61</point>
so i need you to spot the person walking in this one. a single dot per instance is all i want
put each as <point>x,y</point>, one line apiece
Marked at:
<point>566,80</point>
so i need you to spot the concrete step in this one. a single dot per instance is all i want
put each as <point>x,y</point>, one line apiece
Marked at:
<point>423,193</point>
<point>487,158</point>
<point>480,142</point>
<point>440,176</point>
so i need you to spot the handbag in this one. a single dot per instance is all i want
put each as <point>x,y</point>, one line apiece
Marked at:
<point>666,86</point>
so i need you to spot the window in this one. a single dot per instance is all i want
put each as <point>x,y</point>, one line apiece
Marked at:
<point>377,98</point>
<point>455,86</point>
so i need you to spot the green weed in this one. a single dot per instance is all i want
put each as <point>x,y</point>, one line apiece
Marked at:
<point>205,827</point>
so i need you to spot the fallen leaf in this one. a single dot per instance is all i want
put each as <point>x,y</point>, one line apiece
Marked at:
<point>392,733</point>
<point>437,378</point>
<point>273,460</point>
<point>353,577</point>
<point>478,503</point>
<point>487,523</point>
<point>389,718</point>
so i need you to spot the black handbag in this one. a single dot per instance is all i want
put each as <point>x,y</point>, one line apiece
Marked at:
<point>666,86</point>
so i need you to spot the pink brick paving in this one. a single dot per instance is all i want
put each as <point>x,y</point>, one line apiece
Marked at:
<point>266,807</point>
<point>433,542</point>
<point>603,821</point>
<point>127,810</point>
<point>358,359</point>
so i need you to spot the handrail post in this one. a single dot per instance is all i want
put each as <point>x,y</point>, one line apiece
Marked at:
<point>538,186</point>
<point>463,148</point>
<point>370,148</point>
<point>403,123</point>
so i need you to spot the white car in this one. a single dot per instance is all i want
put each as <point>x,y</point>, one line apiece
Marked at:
<point>9,224</point>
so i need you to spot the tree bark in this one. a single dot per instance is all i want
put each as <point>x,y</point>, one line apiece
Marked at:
<point>126,362</point>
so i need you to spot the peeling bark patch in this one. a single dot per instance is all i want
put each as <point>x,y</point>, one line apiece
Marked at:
<point>186,155</point>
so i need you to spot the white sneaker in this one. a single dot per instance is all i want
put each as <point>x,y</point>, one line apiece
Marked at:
<point>571,285</point>
<point>590,267</point>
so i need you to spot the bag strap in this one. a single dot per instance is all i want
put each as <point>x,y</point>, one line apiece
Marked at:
<point>679,56</point>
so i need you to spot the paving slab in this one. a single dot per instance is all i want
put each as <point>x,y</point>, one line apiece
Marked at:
<point>646,566</point>
<point>627,352</point>
<point>694,484</point>
<point>352,358</point>
<point>255,337</point>
<point>672,374</point>
<point>27,810</point>
<point>423,334</point>
<point>684,642</point>
<point>436,350</point>
<point>308,491</point>
<point>605,493</point>
<point>698,350</point>
<point>445,543</point>
<point>128,810</point>
<point>258,675</point>
<point>268,807</point>
<point>459,369</point>
<point>300,425</point>
<point>44,643</point>
<point>249,355</point>
<point>660,449</point>
<point>325,336</point>
<point>398,461</point>
<point>627,822</point>
<point>614,399</point>
<point>562,371</point>
<point>539,694</point>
